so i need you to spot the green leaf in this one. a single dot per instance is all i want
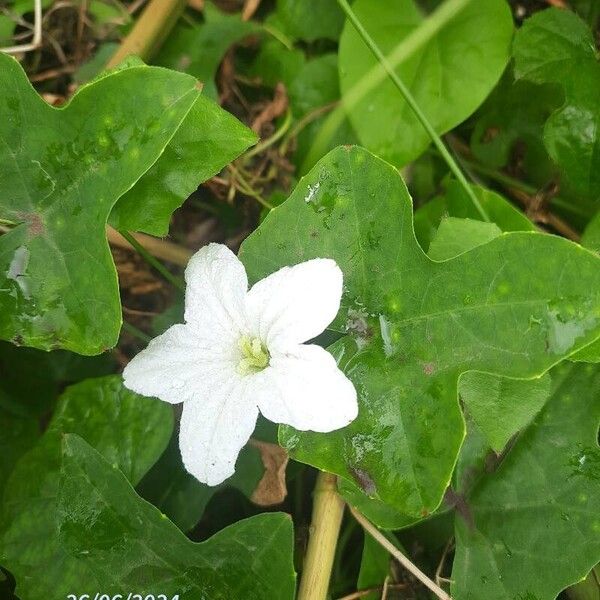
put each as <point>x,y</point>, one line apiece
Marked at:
<point>199,50</point>
<point>129,430</point>
<point>316,87</point>
<point>455,203</point>
<point>590,239</point>
<point>275,63</point>
<point>500,407</point>
<point>556,46</point>
<point>532,526</point>
<point>377,511</point>
<point>455,236</point>
<point>181,497</point>
<point>450,70</point>
<point>374,567</point>
<point>310,21</point>
<point>60,176</point>
<point>415,325</point>
<point>208,139</point>
<point>101,535</point>
<point>591,236</point>
<point>510,124</point>
<point>18,434</point>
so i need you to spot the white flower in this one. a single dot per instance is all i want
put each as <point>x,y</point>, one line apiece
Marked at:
<point>241,351</point>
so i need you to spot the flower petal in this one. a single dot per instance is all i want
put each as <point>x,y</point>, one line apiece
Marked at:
<point>216,289</point>
<point>178,366</point>
<point>213,432</point>
<point>305,388</point>
<point>295,304</point>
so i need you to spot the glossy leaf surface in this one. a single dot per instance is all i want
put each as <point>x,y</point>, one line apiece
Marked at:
<point>556,46</point>
<point>99,534</point>
<point>533,525</point>
<point>415,325</point>
<point>60,176</point>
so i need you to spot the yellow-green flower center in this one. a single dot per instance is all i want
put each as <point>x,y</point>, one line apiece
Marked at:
<point>255,357</point>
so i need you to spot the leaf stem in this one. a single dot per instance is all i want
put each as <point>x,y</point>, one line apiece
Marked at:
<point>162,249</point>
<point>264,144</point>
<point>135,332</point>
<point>328,510</point>
<point>403,560</point>
<point>412,103</point>
<point>153,262</point>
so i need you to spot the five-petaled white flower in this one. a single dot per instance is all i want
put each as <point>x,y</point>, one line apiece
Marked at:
<point>241,351</point>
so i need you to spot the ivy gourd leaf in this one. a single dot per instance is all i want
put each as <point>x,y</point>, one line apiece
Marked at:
<point>499,406</point>
<point>556,46</point>
<point>464,58</point>
<point>455,236</point>
<point>99,534</point>
<point>590,239</point>
<point>455,203</point>
<point>129,430</point>
<point>518,541</point>
<point>310,21</point>
<point>208,139</point>
<point>415,325</point>
<point>60,176</point>
<point>199,50</point>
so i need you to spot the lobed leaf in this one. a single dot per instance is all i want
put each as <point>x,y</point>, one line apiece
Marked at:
<point>98,534</point>
<point>414,325</point>
<point>62,170</point>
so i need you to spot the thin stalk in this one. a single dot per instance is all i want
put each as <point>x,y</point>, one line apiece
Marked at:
<point>303,122</point>
<point>416,39</point>
<point>153,262</point>
<point>403,560</point>
<point>412,103</point>
<point>135,332</point>
<point>328,510</point>
<point>150,30</point>
<point>246,188</point>
<point>260,147</point>
<point>517,184</point>
<point>162,249</point>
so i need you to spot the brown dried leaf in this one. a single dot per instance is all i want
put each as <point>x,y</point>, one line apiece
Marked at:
<point>271,489</point>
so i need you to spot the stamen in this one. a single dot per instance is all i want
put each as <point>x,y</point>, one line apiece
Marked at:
<point>255,356</point>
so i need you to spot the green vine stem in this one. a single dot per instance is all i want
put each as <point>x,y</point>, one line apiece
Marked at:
<point>419,37</point>
<point>328,510</point>
<point>153,262</point>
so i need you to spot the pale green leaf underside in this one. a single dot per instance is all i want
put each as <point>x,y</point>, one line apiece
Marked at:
<point>449,74</point>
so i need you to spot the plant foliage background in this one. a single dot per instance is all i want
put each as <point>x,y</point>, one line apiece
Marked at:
<point>473,344</point>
